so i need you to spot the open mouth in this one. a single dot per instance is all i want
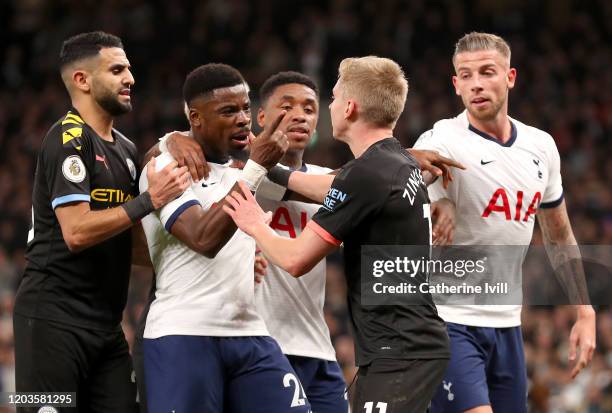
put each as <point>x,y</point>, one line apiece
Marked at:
<point>125,92</point>
<point>241,138</point>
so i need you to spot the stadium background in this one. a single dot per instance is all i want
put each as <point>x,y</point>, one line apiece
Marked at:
<point>561,48</point>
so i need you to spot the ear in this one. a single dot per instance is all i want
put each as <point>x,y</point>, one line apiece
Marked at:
<point>194,118</point>
<point>261,118</point>
<point>81,80</point>
<point>455,85</point>
<point>511,77</point>
<point>350,109</point>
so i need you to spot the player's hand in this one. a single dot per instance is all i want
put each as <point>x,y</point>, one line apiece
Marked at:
<point>261,267</point>
<point>436,164</point>
<point>443,217</point>
<point>188,152</point>
<point>167,184</point>
<point>244,210</point>
<point>582,339</point>
<point>271,144</point>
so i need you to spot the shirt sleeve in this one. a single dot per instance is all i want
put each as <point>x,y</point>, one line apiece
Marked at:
<point>553,194</point>
<point>169,213</point>
<point>68,166</point>
<point>355,194</point>
<point>428,140</point>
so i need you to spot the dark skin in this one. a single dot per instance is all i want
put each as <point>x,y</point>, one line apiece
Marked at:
<point>220,125</point>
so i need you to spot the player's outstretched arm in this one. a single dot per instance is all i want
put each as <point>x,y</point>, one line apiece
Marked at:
<point>566,260</point>
<point>435,164</point>
<point>296,256</point>
<point>310,187</point>
<point>83,228</point>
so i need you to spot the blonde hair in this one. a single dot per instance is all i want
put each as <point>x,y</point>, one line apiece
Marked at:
<point>475,41</point>
<point>378,85</point>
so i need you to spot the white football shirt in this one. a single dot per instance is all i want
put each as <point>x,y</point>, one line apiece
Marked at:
<point>293,307</point>
<point>496,197</point>
<point>196,295</point>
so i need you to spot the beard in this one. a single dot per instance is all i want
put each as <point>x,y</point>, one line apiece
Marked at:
<point>109,101</point>
<point>113,106</point>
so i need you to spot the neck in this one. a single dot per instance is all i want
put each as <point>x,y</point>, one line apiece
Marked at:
<point>362,136</point>
<point>96,117</point>
<point>498,127</point>
<point>211,153</point>
<point>293,159</point>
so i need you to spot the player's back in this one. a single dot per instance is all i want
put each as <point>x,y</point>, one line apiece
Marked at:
<point>197,295</point>
<point>381,199</point>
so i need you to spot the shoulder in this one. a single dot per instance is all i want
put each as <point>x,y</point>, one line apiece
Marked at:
<point>123,140</point>
<point>458,123</point>
<point>68,130</point>
<point>541,139</point>
<point>443,132</point>
<point>379,165</point>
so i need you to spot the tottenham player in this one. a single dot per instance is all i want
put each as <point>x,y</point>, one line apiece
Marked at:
<point>70,301</point>
<point>402,350</point>
<point>293,307</point>
<point>512,172</point>
<point>205,346</point>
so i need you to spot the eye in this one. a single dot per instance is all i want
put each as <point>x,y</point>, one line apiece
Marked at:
<point>286,107</point>
<point>309,111</point>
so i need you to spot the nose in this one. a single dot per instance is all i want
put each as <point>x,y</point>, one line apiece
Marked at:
<point>243,118</point>
<point>129,79</point>
<point>298,115</point>
<point>476,84</point>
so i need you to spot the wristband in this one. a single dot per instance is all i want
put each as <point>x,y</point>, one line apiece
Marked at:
<point>139,207</point>
<point>280,175</point>
<point>252,174</point>
<point>272,191</point>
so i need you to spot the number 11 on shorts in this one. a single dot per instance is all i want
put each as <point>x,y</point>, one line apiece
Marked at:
<point>381,406</point>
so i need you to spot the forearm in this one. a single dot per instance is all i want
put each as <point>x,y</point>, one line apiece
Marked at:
<point>280,251</point>
<point>564,254</point>
<point>313,187</point>
<point>93,227</point>
<point>214,230</point>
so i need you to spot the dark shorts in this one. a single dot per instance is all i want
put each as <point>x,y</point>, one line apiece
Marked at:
<point>56,357</point>
<point>220,374</point>
<point>487,367</point>
<point>323,383</point>
<point>397,386</point>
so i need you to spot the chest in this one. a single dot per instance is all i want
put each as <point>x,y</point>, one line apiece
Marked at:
<point>509,181</point>
<point>214,188</point>
<point>113,180</point>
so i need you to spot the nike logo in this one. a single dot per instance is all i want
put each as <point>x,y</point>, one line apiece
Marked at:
<point>207,185</point>
<point>486,162</point>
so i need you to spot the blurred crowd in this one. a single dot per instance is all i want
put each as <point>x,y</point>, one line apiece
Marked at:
<point>561,49</point>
